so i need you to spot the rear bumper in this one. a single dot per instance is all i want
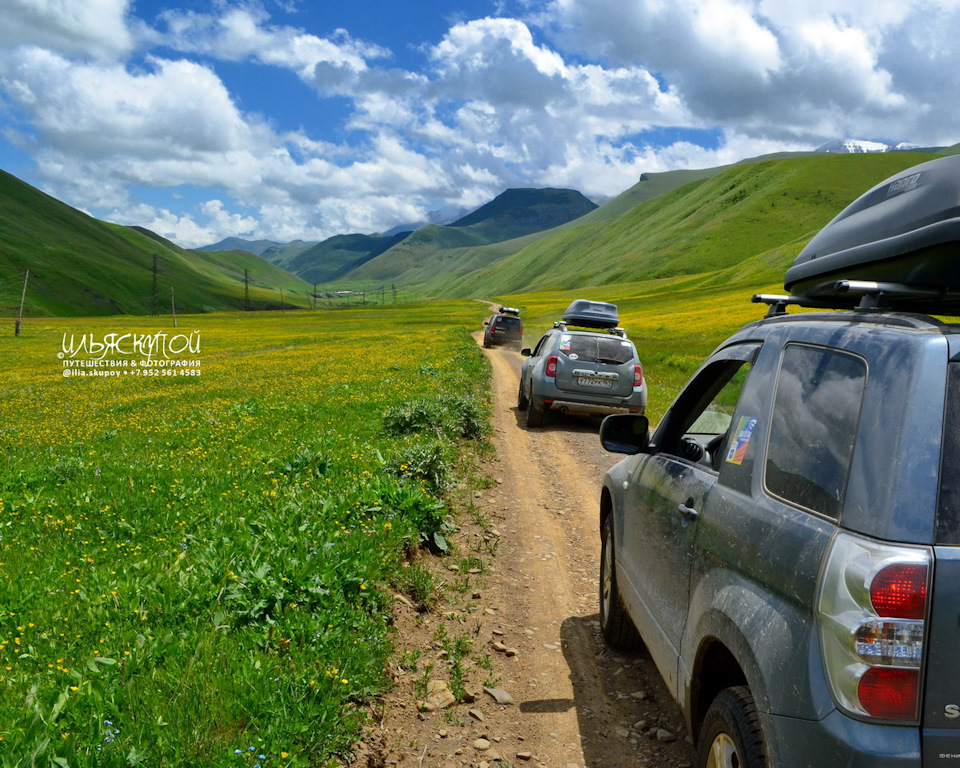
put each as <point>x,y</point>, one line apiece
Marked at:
<point>569,406</point>
<point>841,740</point>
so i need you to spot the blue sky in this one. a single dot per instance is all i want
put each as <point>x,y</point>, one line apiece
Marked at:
<point>301,119</point>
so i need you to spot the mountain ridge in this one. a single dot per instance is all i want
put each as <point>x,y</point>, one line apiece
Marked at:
<point>79,265</point>
<point>751,217</point>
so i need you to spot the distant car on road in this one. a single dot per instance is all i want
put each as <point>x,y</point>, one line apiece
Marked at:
<point>505,327</point>
<point>590,368</point>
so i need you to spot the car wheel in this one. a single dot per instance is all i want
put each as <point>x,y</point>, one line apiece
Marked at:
<point>617,627</point>
<point>536,412</point>
<point>522,401</point>
<point>731,736</point>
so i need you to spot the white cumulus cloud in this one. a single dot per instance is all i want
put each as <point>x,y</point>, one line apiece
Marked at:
<point>586,94</point>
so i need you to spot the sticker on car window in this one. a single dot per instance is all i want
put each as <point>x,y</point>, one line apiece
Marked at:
<point>738,446</point>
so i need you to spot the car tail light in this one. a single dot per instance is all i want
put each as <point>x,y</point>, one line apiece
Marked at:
<point>872,607</point>
<point>637,376</point>
<point>890,693</point>
<point>900,591</point>
<point>550,369</point>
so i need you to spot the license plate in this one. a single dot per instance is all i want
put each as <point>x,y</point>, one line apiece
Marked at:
<point>587,381</point>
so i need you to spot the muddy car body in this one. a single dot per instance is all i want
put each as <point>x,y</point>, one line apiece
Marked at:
<point>786,544</point>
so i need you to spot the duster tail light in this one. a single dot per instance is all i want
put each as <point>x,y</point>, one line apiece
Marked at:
<point>550,369</point>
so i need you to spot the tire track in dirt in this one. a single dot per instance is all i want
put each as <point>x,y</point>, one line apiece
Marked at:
<point>581,702</point>
<point>534,613</point>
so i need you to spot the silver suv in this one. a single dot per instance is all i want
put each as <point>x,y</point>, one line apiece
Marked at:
<point>581,370</point>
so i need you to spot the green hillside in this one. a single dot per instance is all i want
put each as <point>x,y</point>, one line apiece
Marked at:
<point>515,213</point>
<point>761,213</point>
<point>257,247</point>
<point>283,254</point>
<point>446,264</point>
<point>519,212</point>
<point>338,255</point>
<point>651,185</point>
<point>81,266</point>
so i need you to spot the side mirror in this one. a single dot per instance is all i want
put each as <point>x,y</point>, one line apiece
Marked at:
<point>526,352</point>
<point>625,433</point>
<point>486,322</point>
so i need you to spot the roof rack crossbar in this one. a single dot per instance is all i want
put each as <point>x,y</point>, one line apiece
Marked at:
<point>618,331</point>
<point>778,304</point>
<point>862,287</point>
<point>877,294</point>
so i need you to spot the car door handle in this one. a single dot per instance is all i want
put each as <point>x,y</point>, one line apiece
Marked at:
<point>687,512</point>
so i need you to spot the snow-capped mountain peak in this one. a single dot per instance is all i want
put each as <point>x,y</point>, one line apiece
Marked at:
<point>857,146</point>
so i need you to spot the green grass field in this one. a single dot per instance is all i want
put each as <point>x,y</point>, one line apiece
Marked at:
<point>197,570</point>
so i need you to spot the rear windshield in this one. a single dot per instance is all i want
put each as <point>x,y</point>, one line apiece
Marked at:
<point>597,349</point>
<point>507,322</point>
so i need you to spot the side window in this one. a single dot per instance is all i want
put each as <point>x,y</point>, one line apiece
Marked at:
<point>538,350</point>
<point>815,416</point>
<point>716,417</point>
<point>698,426</point>
<point>705,440</point>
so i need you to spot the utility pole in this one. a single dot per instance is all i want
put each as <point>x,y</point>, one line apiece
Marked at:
<point>314,295</point>
<point>154,295</point>
<point>173,307</point>
<point>246,289</point>
<point>282,307</point>
<point>23,296</point>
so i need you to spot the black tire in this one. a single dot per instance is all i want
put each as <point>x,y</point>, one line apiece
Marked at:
<point>731,736</point>
<point>617,627</point>
<point>522,401</point>
<point>536,412</point>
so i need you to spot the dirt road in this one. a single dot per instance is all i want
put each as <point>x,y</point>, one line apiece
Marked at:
<point>533,614</point>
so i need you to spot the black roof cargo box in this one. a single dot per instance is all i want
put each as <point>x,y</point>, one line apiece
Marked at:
<point>592,314</point>
<point>904,233</point>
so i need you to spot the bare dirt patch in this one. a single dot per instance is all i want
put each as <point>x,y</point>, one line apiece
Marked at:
<point>523,600</point>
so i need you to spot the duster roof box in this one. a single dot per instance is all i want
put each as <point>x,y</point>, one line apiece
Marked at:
<point>592,314</point>
<point>900,239</point>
